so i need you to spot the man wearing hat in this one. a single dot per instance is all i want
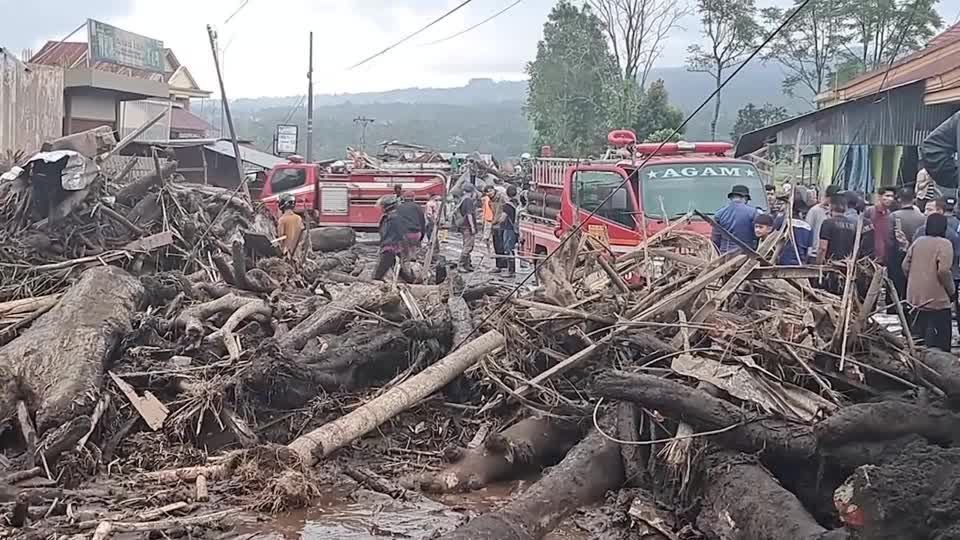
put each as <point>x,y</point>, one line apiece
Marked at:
<point>737,219</point>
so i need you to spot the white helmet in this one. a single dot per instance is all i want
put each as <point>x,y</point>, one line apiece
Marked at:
<point>525,156</point>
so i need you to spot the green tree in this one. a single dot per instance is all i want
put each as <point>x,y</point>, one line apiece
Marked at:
<point>809,46</point>
<point>882,30</point>
<point>751,117</point>
<point>654,112</point>
<point>662,135</point>
<point>731,30</point>
<point>573,83</point>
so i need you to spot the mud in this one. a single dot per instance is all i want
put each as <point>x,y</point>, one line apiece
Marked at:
<point>912,492</point>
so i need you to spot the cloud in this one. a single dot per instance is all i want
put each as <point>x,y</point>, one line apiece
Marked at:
<point>27,25</point>
<point>266,42</point>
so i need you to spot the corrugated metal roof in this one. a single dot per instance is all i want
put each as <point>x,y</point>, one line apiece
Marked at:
<point>941,54</point>
<point>248,155</point>
<point>898,118</point>
<point>184,120</point>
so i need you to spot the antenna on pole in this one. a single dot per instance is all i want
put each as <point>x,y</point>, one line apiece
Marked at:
<point>364,122</point>
<point>310,104</point>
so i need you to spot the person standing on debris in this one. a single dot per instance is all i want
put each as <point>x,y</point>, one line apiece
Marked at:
<point>391,236</point>
<point>879,216</point>
<point>837,238</point>
<point>945,207</point>
<point>465,220</point>
<point>930,286</point>
<point>509,232</point>
<point>817,215</point>
<point>497,202</point>
<point>432,214</point>
<point>904,223</point>
<point>414,224</point>
<point>771,191</point>
<point>737,219</point>
<point>799,239</point>
<point>289,226</point>
<point>486,202</point>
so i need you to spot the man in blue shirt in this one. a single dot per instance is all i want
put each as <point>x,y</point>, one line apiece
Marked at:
<point>802,235</point>
<point>737,218</point>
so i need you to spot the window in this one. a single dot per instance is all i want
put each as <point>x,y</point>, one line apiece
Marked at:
<point>699,186</point>
<point>287,179</point>
<point>591,188</point>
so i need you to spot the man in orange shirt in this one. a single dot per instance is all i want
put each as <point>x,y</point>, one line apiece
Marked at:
<point>486,203</point>
<point>289,226</point>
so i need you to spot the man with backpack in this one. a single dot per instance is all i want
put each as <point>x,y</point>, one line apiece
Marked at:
<point>465,220</point>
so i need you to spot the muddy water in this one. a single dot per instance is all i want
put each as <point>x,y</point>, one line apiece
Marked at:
<point>365,515</point>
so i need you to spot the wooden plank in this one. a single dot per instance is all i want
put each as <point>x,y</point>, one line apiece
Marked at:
<point>150,243</point>
<point>153,412</point>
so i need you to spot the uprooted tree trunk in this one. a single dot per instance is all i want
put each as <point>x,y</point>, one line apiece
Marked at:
<point>742,501</point>
<point>355,360</point>
<point>774,437</point>
<point>57,365</point>
<point>589,470</point>
<point>337,313</point>
<point>321,442</point>
<point>326,239</point>
<point>531,443</point>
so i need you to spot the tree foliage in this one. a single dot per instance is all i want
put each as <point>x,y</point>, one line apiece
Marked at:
<point>751,117</point>
<point>808,47</point>
<point>636,30</point>
<point>662,135</point>
<point>573,82</point>
<point>654,112</point>
<point>879,31</point>
<point>730,30</point>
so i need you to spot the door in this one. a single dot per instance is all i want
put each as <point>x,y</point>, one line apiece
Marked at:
<point>605,203</point>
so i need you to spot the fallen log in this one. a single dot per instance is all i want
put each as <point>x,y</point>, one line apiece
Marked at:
<point>589,470</point>
<point>770,436</point>
<point>529,444</point>
<point>742,501</point>
<point>321,442</point>
<point>57,365</point>
<point>337,313</point>
<point>887,420</point>
<point>327,239</point>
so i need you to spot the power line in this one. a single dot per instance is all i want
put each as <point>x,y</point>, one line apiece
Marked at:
<point>411,36</point>
<point>506,298</point>
<point>238,10</point>
<point>876,96</point>
<point>465,30</point>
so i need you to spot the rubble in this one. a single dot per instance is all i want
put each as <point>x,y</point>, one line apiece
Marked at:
<point>154,350</point>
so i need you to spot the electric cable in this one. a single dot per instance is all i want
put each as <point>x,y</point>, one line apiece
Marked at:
<point>481,23</point>
<point>506,299</point>
<point>411,36</point>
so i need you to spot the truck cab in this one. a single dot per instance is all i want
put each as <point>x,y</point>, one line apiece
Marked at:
<point>628,200</point>
<point>343,196</point>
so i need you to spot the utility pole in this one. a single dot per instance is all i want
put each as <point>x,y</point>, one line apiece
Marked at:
<point>310,104</point>
<point>226,111</point>
<point>363,121</point>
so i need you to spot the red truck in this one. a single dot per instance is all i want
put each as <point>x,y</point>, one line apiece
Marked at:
<point>676,179</point>
<point>348,198</point>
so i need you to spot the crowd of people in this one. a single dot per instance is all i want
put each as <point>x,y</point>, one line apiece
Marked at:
<point>917,241</point>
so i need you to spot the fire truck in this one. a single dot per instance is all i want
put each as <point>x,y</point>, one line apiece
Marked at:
<point>347,197</point>
<point>677,178</point>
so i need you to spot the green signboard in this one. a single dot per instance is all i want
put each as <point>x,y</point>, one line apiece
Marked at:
<point>115,46</point>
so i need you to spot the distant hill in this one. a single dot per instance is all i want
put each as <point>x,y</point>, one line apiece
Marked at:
<point>485,115</point>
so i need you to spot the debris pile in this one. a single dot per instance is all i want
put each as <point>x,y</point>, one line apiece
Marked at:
<point>156,351</point>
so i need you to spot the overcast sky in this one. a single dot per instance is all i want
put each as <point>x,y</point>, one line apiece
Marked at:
<point>266,42</point>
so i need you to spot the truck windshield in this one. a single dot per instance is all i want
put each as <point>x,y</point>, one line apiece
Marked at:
<point>702,186</point>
